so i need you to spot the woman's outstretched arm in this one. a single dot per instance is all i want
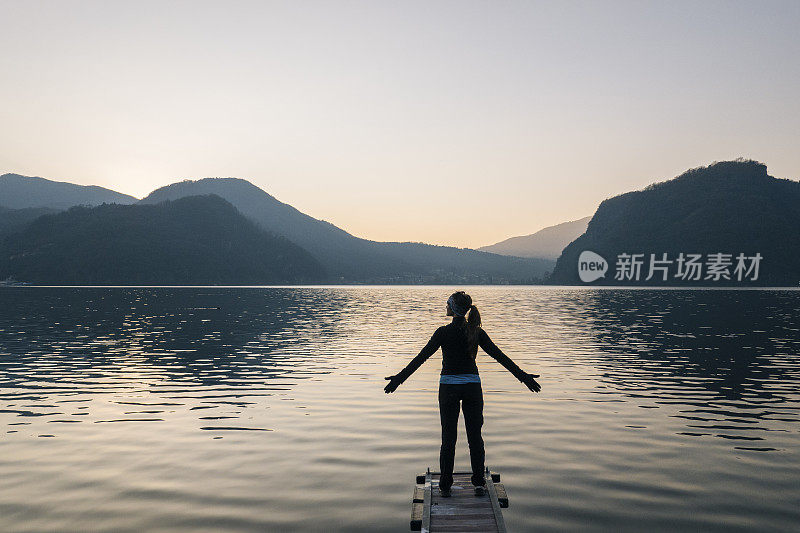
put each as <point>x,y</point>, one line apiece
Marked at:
<point>497,354</point>
<point>427,351</point>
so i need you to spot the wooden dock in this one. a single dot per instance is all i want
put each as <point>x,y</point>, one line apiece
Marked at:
<point>463,511</point>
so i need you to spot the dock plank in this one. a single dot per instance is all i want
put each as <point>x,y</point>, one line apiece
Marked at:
<point>416,516</point>
<point>463,511</point>
<point>502,497</point>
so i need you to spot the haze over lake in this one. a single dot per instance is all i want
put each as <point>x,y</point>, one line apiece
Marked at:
<point>262,409</point>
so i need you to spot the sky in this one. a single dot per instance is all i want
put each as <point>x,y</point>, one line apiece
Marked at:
<point>456,123</point>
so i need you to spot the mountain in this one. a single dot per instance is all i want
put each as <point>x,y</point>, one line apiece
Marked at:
<point>350,259</point>
<point>19,192</point>
<point>190,241</point>
<point>732,215</point>
<point>12,220</point>
<point>546,243</point>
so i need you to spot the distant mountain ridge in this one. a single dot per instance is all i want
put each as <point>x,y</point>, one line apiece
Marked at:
<point>20,192</point>
<point>189,241</point>
<point>728,208</point>
<point>12,220</point>
<point>352,259</point>
<point>547,243</point>
<point>344,257</point>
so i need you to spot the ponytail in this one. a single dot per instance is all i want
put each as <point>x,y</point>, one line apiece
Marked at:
<point>473,323</point>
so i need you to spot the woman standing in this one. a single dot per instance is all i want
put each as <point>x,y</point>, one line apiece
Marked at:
<point>460,385</point>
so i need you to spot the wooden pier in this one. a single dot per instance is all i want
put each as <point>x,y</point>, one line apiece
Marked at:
<point>463,511</point>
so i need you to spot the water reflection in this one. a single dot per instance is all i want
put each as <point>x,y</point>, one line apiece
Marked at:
<point>184,409</point>
<point>727,359</point>
<point>209,345</point>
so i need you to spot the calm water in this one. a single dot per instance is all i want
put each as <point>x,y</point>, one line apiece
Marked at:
<point>208,409</point>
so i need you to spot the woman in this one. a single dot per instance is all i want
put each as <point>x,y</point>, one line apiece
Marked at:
<point>461,384</point>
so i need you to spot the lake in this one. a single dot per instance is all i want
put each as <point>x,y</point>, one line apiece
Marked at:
<point>262,409</point>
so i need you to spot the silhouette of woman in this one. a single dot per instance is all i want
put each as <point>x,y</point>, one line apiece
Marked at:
<point>461,384</point>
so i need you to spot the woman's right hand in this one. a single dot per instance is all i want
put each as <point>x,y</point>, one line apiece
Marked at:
<point>394,382</point>
<point>531,383</point>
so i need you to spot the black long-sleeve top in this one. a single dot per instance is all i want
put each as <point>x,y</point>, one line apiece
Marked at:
<point>456,358</point>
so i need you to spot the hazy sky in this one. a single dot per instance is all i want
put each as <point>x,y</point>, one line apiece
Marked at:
<point>458,123</point>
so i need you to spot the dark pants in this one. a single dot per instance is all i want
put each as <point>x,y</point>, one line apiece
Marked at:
<point>469,398</point>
